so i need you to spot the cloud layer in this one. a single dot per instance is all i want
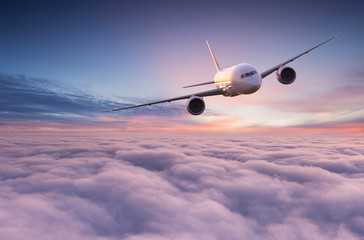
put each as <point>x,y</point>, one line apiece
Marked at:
<point>135,186</point>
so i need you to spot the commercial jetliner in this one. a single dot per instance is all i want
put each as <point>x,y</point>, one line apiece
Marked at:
<point>240,79</point>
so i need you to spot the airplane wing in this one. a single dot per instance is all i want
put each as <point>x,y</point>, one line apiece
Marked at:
<point>269,71</point>
<point>199,84</point>
<point>213,92</point>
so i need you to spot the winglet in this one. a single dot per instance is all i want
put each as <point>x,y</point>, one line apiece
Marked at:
<point>213,57</point>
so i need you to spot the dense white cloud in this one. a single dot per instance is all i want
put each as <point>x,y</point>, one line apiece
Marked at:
<point>134,186</point>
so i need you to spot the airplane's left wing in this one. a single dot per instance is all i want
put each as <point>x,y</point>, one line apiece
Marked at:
<point>269,71</point>
<point>213,92</point>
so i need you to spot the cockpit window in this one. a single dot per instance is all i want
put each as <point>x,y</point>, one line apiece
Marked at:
<point>248,74</point>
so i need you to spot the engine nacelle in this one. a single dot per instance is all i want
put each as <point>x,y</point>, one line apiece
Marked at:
<point>286,75</point>
<point>195,105</point>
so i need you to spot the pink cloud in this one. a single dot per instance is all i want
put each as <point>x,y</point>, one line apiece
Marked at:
<point>105,184</point>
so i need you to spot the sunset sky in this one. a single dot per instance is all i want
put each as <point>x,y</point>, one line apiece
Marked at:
<point>63,63</point>
<point>286,162</point>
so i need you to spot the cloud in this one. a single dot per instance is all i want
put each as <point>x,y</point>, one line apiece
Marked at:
<point>345,97</point>
<point>31,103</point>
<point>182,186</point>
<point>36,101</point>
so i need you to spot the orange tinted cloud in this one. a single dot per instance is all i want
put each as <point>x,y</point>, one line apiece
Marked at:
<point>186,123</point>
<point>224,124</point>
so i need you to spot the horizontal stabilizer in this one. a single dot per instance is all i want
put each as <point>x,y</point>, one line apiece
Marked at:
<point>200,84</point>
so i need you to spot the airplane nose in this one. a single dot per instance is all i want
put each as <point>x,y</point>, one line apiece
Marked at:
<point>254,85</point>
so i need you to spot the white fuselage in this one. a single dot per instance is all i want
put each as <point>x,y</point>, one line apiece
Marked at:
<point>239,79</point>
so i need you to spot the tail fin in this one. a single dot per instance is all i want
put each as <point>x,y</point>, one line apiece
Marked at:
<point>213,57</point>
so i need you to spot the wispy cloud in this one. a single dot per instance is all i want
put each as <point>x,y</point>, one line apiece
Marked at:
<point>38,101</point>
<point>344,97</point>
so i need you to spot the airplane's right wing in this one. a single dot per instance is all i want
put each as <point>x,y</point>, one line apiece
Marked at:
<point>269,71</point>
<point>218,91</point>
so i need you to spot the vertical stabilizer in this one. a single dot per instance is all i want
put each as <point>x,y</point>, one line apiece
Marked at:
<point>213,57</point>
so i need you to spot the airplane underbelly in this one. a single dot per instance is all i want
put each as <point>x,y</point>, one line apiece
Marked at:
<point>248,86</point>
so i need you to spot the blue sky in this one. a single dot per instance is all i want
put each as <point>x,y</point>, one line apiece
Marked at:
<point>144,51</point>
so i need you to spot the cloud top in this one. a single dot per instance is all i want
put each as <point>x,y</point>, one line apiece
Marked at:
<point>123,186</point>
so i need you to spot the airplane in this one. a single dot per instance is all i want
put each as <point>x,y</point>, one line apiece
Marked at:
<point>240,79</point>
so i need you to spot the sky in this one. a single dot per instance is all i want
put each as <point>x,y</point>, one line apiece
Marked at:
<point>283,163</point>
<point>90,56</point>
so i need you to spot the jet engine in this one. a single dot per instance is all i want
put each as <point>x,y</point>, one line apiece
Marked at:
<point>286,75</point>
<point>195,105</point>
